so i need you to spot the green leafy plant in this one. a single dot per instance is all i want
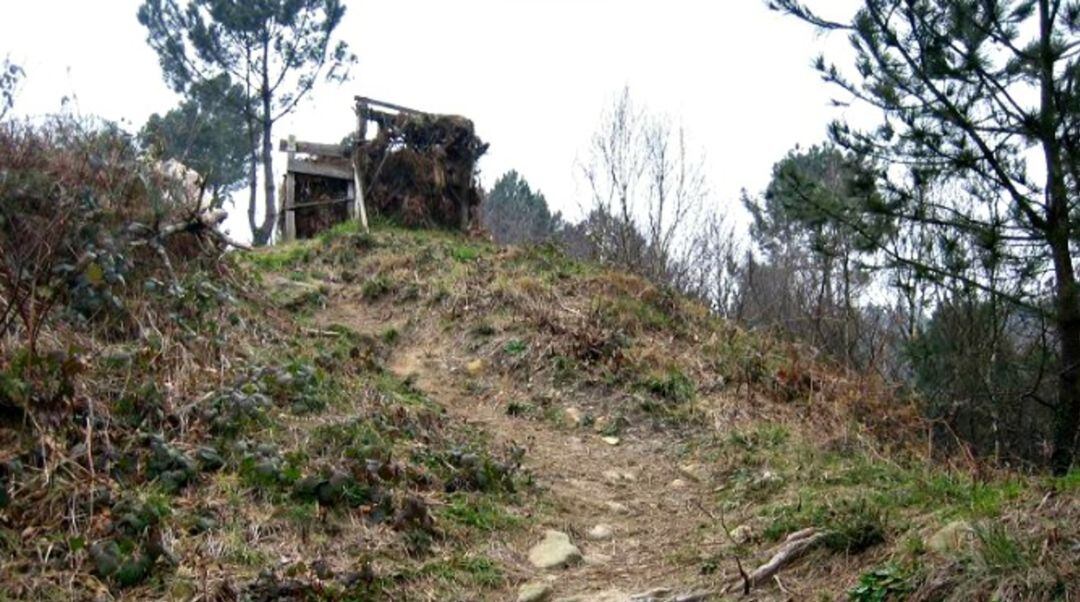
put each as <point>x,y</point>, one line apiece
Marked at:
<point>886,583</point>
<point>515,347</point>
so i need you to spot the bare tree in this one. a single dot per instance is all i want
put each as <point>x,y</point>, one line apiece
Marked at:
<point>714,265</point>
<point>644,187</point>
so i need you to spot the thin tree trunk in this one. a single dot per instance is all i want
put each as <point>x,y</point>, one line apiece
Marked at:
<point>1067,296</point>
<point>253,181</point>
<point>1067,416</point>
<point>253,145</point>
<point>266,231</point>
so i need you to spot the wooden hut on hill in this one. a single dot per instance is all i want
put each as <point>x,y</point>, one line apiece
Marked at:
<point>416,168</point>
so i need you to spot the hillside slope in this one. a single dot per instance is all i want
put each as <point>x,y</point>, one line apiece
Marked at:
<point>673,448</point>
<point>406,414</point>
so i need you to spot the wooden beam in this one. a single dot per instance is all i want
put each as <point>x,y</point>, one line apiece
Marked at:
<point>363,100</point>
<point>315,148</point>
<point>314,168</point>
<point>296,206</point>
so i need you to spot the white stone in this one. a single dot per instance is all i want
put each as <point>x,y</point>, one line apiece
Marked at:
<point>534,592</point>
<point>617,507</point>
<point>573,417</point>
<point>555,551</point>
<point>741,534</point>
<point>601,532</point>
<point>952,538</point>
<point>616,477</point>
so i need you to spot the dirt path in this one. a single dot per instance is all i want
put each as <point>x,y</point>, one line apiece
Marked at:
<point>634,487</point>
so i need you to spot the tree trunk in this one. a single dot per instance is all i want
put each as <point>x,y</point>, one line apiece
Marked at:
<point>253,181</point>
<point>265,232</point>
<point>270,220</point>
<point>1067,416</point>
<point>253,145</point>
<point>1059,233</point>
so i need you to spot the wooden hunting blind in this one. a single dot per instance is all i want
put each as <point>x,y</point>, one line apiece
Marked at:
<point>417,168</point>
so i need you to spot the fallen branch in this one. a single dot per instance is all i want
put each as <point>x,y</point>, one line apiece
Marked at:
<point>323,333</point>
<point>664,594</point>
<point>793,547</point>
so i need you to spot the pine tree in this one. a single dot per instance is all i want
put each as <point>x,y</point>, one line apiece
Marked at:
<point>793,227</point>
<point>515,214</point>
<point>278,49</point>
<point>981,96</point>
<point>206,133</point>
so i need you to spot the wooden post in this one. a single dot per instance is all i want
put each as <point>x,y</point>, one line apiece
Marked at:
<point>360,194</point>
<point>289,198</point>
<point>350,204</point>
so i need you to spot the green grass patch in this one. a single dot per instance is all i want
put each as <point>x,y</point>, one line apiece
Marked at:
<point>476,511</point>
<point>280,257</point>
<point>376,287</point>
<point>672,386</point>
<point>851,525</point>
<point>515,347</point>
<point>999,552</point>
<point>474,571</point>
<point>764,437</point>
<point>402,391</point>
<point>464,253</point>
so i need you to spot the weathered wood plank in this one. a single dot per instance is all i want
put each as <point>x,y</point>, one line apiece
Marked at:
<point>315,168</point>
<point>363,100</point>
<point>290,217</point>
<point>303,204</point>
<point>315,148</point>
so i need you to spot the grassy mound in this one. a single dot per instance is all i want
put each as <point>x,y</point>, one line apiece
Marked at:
<point>178,421</point>
<point>787,442</point>
<point>169,431</point>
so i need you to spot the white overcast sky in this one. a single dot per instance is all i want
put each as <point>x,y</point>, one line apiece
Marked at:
<point>533,74</point>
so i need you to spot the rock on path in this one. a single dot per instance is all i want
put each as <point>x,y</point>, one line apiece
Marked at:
<point>555,551</point>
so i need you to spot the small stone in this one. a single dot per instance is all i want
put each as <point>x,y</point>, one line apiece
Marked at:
<point>610,440</point>
<point>534,592</point>
<point>678,484</point>
<point>600,532</point>
<point>475,367</point>
<point>555,551</point>
<point>951,538</point>
<point>741,534</point>
<point>572,416</point>
<point>767,479</point>
<point>617,477</point>
<point>617,507</point>
<point>597,559</point>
